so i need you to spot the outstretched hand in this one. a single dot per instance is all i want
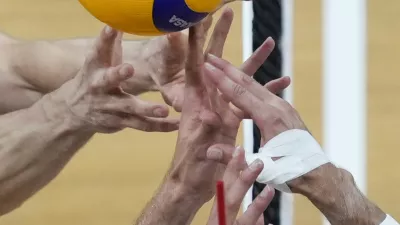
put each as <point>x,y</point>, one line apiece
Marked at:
<point>96,98</point>
<point>238,178</point>
<point>208,117</point>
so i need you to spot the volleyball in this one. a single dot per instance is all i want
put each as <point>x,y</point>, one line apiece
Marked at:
<point>150,17</point>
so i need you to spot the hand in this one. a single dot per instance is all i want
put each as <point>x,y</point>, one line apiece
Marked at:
<point>327,187</point>
<point>238,178</point>
<point>207,118</point>
<point>96,98</point>
<point>272,114</point>
<point>165,57</point>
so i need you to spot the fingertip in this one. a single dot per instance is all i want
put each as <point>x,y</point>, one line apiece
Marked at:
<point>226,151</point>
<point>269,44</point>
<point>126,71</point>
<point>161,111</point>
<point>109,32</point>
<point>270,40</point>
<point>214,154</point>
<point>268,192</point>
<point>228,12</point>
<point>287,80</point>
<point>174,36</point>
<point>119,36</point>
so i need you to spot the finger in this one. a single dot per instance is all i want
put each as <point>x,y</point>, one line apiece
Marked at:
<point>239,189</point>
<point>151,124</point>
<point>210,118</point>
<point>258,58</point>
<point>278,85</point>
<point>260,220</point>
<point>232,172</point>
<point>113,77</point>
<point>238,77</point>
<point>234,92</point>
<point>136,106</point>
<point>118,51</point>
<point>216,47</point>
<point>195,58</point>
<point>256,209</point>
<point>102,54</point>
<point>235,166</point>
<point>274,86</point>
<point>207,22</point>
<point>177,45</point>
<point>220,33</point>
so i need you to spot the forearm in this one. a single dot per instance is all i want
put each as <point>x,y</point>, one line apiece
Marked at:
<point>35,145</point>
<point>338,197</point>
<point>170,206</point>
<point>39,67</point>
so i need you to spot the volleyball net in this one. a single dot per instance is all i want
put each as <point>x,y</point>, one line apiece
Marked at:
<point>344,83</point>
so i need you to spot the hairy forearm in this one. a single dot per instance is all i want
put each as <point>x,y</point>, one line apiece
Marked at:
<point>334,192</point>
<point>35,144</point>
<point>30,69</point>
<point>169,206</point>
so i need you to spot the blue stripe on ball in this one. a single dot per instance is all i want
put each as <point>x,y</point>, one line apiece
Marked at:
<point>174,15</point>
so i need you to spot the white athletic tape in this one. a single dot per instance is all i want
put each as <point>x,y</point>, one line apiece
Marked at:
<point>389,221</point>
<point>298,153</point>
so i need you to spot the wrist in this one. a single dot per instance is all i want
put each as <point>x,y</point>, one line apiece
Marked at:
<point>55,108</point>
<point>181,194</point>
<point>334,192</point>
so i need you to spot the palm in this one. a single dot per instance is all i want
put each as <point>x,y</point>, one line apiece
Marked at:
<point>166,59</point>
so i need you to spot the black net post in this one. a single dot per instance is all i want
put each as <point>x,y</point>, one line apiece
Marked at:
<point>267,22</point>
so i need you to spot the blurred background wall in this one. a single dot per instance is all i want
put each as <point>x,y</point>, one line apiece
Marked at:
<point>112,178</point>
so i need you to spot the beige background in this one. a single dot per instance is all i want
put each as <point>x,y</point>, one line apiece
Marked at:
<point>110,180</point>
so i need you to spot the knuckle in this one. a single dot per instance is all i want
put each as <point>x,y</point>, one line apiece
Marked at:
<point>238,90</point>
<point>247,79</point>
<point>128,108</point>
<point>146,127</point>
<point>94,86</point>
<point>244,177</point>
<point>149,110</point>
<point>232,204</point>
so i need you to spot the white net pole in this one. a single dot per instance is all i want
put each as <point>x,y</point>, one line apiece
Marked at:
<point>344,85</point>
<point>286,210</point>
<point>247,39</point>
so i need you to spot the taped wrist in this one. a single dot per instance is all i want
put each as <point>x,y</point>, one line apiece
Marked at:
<point>389,221</point>
<point>295,153</point>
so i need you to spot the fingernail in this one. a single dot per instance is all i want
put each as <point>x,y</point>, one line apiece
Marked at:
<point>257,164</point>
<point>211,56</point>
<point>214,154</point>
<point>108,29</point>
<point>159,112</point>
<point>264,193</point>
<point>124,72</point>
<point>236,152</point>
<point>210,67</point>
